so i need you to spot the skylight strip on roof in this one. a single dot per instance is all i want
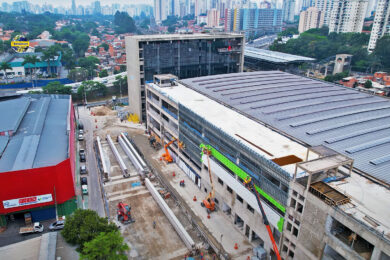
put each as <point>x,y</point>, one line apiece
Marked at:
<point>368,145</point>
<point>319,119</point>
<point>381,160</point>
<point>357,133</point>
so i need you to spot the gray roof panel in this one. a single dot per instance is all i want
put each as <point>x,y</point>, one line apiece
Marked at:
<point>312,111</point>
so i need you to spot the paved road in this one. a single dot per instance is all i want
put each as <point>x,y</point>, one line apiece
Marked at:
<point>95,201</point>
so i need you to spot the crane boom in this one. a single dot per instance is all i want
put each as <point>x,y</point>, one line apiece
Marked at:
<point>249,182</point>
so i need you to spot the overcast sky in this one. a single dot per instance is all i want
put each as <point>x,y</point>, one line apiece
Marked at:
<point>84,2</point>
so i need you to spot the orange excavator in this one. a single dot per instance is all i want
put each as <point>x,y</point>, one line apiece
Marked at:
<point>249,183</point>
<point>209,202</point>
<point>166,156</point>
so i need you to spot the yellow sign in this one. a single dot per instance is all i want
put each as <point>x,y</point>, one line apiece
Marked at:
<point>20,43</point>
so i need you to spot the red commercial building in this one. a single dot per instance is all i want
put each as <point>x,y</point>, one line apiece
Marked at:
<point>37,157</point>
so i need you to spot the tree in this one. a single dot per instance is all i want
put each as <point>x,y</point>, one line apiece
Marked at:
<point>382,50</point>
<point>104,45</point>
<point>171,29</point>
<point>120,85</point>
<point>91,89</point>
<point>202,24</point>
<point>56,87</point>
<point>368,84</point>
<point>89,64</point>
<point>105,246</point>
<point>124,23</point>
<point>48,56</point>
<point>4,66</point>
<point>103,74</point>
<point>83,226</point>
<point>30,60</point>
<point>78,74</point>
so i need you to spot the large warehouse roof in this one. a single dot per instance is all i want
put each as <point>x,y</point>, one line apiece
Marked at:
<point>314,112</point>
<point>41,137</point>
<point>273,56</point>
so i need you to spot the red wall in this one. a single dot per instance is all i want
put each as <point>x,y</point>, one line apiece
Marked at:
<point>40,181</point>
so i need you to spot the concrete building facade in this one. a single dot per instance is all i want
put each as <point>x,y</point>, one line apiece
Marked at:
<point>325,6</point>
<point>213,16</point>
<point>185,55</point>
<point>310,19</point>
<point>319,202</point>
<point>288,10</point>
<point>348,16</point>
<point>381,26</point>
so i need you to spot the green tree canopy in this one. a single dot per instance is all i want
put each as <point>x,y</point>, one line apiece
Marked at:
<point>83,226</point>
<point>78,74</point>
<point>171,28</point>
<point>382,50</point>
<point>91,89</point>
<point>104,45</point>
<point>109,246</point>
<point>124,23</point>
<point>103,73</point>
<point>55,87</point>
<point>368,84</point>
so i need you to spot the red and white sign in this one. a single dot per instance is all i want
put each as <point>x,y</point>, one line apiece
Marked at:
<point>27,201</point>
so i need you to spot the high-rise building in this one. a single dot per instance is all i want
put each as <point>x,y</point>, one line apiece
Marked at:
<point>97,8</point>
<point>254,22</point>
<point>160,10</point>
<point>185,55</point>
<point>381,24</point>
<point>288,10</point>
<point>325,6</point>
<point>309,19</point>
<point>74,11</point>
<point>213,18</point>
<point>347,16</point>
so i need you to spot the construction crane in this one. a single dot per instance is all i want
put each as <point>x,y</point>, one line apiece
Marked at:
<point>167,156</point>
<point>209,202</point>
<point>124,213</point>
<point>249,183</point>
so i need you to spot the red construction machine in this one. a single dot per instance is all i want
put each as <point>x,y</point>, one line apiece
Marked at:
<point>124,213</point>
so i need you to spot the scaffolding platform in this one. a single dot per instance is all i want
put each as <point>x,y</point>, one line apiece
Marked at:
<point>328,194</point>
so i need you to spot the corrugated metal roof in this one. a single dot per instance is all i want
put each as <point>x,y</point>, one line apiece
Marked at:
<point>273,56</point>
<point>315,112</point>
<point>11,113</point>
<point>3,143</point>
<point>41,138</point>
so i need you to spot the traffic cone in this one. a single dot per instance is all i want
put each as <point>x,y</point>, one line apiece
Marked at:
<point>248,258</point>
<point>96,126</point>
<point>194,198</point>
<point>160,158</point>
<point>235,246</point>
<point>173,174</point>
<point>208,216</point>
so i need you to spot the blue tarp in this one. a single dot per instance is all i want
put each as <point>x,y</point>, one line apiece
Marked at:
<point>38,83</point>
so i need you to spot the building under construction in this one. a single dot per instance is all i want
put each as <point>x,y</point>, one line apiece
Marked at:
<point>316,152</point>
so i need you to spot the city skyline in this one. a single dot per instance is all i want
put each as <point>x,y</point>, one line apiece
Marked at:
<point>68,3</point>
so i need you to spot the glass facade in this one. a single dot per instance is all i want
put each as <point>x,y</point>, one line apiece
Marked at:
<point>191,58</point>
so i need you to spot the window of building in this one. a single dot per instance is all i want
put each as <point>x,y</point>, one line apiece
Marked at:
<point>229,189</point>
<point>142,81</point>
<point>295,194</point>
<point>289,226</point>
<point>297,222</point>
<point>285,249</point>
<point>239,199</point>
<point>295,231</point>
<point>292,245</point>
<point>291,254</point>
<point>250,208</point>
<point>299,207</point>
<point>206,168</point>
<point>301,197</point>
<point>293,203</point>
<point>220,181</point>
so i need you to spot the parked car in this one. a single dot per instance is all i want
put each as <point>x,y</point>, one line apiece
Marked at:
<point>81,126</point>
<point>84,180</point>
<point>84,189</point>
<point>81,131</point>
<point>36,228</point>
<point>57,225</point>
<point>81,137</point>
<point>83,169</point>
<point>82,157</point>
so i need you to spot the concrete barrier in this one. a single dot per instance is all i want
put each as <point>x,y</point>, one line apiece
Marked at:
<point>190,244</point>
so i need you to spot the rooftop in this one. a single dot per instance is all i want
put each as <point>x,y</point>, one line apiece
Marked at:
<point>259,138</point>
<point>310,111</point>
<point>40,131</point>
<point>273,56</point>
<point>169,37</point>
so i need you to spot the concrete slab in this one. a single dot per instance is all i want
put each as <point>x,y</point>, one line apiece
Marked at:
<point>26,250</point>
